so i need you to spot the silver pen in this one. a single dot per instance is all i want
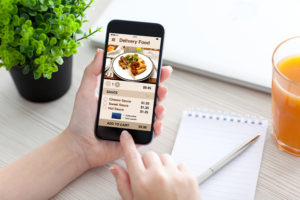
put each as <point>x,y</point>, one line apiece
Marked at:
<point>213,169</point>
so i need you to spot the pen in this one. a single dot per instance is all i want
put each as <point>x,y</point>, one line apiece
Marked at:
<point>213,169</point>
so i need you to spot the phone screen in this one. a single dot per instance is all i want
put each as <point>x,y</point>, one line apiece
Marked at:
<point>129,85</point>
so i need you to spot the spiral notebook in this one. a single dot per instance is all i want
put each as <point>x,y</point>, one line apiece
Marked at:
<point>206,137</point>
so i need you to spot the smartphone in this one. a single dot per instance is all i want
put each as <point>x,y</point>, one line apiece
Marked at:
<point>129,80</point>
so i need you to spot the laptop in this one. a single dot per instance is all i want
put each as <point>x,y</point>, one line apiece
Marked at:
<point>230,40</point>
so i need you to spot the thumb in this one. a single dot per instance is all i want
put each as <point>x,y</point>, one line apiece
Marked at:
<point>89,80</point>
<point>96,64</point>
<point>123,181</point>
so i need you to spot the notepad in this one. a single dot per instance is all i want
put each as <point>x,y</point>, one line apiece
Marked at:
<point>205,137</point>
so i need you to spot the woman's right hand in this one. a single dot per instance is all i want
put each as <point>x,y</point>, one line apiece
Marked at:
<point>152,177</point>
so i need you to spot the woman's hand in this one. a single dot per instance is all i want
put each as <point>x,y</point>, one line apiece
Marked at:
<point>152,177</point>
<point>81,127</point>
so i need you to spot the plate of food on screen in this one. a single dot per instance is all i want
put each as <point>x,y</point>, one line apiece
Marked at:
<point>132,66</point>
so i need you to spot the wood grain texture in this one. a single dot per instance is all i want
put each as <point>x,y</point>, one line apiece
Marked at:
<point>25,125</point>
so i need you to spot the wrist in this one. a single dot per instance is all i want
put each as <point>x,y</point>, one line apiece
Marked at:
<point>75,150</point>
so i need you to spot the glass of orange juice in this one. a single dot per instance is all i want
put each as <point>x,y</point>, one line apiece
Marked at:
<point>286,95</point>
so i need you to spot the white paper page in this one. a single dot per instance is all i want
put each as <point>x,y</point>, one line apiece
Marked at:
<point>205,138</point>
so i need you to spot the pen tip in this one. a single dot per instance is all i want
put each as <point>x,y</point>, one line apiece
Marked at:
<point>255,138</point>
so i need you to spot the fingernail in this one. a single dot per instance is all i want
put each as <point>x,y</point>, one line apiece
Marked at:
<point>98,50</point>
<point>164,112</point>
<point>113,170</point>
<point>161,127</point>
<point>125,135</point>
<point>170,68</point>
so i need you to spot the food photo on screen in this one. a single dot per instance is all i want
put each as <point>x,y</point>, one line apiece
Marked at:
<point>131,63</point>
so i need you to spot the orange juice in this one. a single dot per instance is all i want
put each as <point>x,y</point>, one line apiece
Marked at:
<point>286,104</point>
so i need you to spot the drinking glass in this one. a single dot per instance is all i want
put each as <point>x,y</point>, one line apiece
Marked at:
<point>286,95</point>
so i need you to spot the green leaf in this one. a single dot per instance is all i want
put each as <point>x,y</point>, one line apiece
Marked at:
<point>43,36</point>
<point>53,41</point>
<point>48,76</point>
<point>55,68</point>
<point>79,31</point>
<point>26,69</point>
<point>50,3</point>
<point>36,75</point>
<point>59,60</point>
<point>56,51</point>
<point>32,13</point>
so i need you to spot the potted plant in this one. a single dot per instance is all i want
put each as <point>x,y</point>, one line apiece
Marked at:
<point>37,41</point>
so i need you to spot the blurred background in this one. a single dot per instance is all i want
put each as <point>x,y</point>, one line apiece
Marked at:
<point>232,40</point>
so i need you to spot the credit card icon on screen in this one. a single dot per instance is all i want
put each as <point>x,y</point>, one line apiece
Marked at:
<point>116,115</point>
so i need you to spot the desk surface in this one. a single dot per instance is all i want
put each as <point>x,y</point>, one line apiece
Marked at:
<point>25,125</point>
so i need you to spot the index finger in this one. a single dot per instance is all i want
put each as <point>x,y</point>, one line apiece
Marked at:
<point>132,156</point>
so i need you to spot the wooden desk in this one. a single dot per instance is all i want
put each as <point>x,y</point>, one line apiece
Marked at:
<point>25,125</point>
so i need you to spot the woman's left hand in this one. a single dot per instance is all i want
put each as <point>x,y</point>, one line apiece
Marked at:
<point>81,127</point>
